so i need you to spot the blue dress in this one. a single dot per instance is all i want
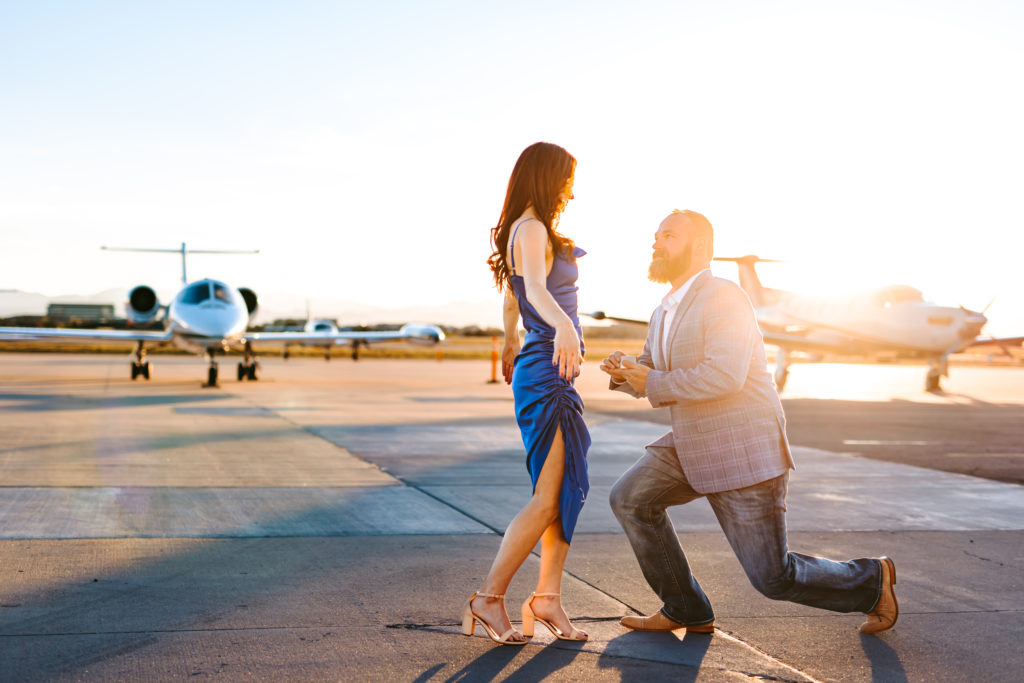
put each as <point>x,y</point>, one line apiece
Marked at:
<point>544,400</point>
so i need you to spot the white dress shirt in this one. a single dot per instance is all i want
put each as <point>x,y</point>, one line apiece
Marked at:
<point>670,304</point>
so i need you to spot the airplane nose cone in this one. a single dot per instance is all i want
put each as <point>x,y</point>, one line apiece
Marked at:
<point>973,325</point>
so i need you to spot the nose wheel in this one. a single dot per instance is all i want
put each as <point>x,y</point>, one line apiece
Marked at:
<point>211,372</point>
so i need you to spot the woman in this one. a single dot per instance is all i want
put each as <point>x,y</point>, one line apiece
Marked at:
<point>536,268</point>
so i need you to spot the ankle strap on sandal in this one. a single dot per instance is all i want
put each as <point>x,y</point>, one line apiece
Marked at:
<point>487,595</point>
<point>545,595</point>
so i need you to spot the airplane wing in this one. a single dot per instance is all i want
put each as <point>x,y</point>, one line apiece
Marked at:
<point>1003,344</point>
<point>601,315</point>
<point>430,334</point>
<point>793,342</point>
<point>56,334</point>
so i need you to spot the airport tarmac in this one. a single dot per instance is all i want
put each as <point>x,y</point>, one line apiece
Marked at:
<point>329,521</point>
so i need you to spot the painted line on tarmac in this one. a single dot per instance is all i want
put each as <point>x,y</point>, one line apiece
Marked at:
<point>728,636</point>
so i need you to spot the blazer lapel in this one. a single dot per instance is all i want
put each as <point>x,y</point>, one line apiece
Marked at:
<point>684,306</point>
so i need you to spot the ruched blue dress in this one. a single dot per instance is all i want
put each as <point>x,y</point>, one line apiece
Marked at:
<point>544,400</point>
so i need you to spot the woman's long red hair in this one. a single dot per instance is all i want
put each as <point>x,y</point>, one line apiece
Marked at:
<point>541,174</point>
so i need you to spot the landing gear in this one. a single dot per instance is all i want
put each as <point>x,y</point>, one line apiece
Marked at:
<point>781,369</point>
<point>140,366</point>
<point>355,349</point>
<point>211,373</point>
<point>247,368</point>
<point>937,369</point>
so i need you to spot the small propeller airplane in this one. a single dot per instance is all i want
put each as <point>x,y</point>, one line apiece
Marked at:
<point>890,323</point>
<point>210,317</point>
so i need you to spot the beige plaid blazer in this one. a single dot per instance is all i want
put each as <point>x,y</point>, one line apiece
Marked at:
<point>728,428</point>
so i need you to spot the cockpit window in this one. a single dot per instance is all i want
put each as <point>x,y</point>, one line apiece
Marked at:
<point>221,292</point>
<point>897,294</point>
<point>197,293</point>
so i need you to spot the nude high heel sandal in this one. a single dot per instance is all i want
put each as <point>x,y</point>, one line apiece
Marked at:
<point>529,617</point>
<point>469,620</point>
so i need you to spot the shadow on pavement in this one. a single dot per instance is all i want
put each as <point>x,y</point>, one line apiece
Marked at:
<point>111,446</point>
<point>666,648</point>
<point>488,666</point>
<point>885,662</point>
<point>937,436</point>
<point>56,402</point>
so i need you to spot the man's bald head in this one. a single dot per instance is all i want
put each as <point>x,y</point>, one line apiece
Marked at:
<point>698,226</point>
<point>683,246</point>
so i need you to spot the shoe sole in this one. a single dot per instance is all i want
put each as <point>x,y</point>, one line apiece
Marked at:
<point>702,628</point>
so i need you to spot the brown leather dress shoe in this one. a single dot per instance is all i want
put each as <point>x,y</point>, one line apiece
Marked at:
<point>659,622</point>
<point>887,611</point>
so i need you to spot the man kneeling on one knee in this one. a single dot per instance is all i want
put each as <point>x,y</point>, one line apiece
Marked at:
<point>704,359</point>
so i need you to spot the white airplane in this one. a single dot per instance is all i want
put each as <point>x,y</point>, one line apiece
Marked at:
<point>885,324</point>
<point>323,333</point>
<point>209,317</point>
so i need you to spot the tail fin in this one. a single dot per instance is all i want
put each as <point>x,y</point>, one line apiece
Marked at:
<point>749,281</point>
<point>183,251</point>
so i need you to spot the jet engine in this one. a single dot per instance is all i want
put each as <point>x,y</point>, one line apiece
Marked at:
<point>143,305</point>
<point>251,302</point>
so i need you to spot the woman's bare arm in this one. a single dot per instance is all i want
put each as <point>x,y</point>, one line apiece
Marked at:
<point>532,243</point>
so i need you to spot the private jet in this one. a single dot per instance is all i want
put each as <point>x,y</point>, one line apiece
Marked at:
<point>209,317</point>
<point>891,323</point>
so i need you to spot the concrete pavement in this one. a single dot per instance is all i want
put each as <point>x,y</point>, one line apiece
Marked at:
<point>329,521</point>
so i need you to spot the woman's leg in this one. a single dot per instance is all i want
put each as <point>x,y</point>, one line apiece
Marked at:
<point>540,513</point>
<point>553,552</point>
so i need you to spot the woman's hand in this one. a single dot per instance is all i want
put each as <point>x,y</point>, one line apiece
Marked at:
<point>508,357</point>
<point>567,352</point>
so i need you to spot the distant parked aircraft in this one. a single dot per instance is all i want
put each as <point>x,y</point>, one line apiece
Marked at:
<point>209,317</point>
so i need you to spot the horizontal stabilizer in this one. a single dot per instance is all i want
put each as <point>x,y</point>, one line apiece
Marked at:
<point>750,258</point>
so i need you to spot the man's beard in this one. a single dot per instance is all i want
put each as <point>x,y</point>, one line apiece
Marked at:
<point>666,270</point>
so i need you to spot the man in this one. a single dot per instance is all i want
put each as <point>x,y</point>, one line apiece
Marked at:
<point>704,359</point>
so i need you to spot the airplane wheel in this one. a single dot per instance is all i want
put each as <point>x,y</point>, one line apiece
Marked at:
<point>931,383</point>
<point>252,372</point>
<point>211,376</point>
<point>242,372</point>
<point>144,368</point>
<point>135,370</point>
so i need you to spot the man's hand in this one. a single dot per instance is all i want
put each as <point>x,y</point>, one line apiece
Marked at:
<point>634,374</point>
<point>613,365</point>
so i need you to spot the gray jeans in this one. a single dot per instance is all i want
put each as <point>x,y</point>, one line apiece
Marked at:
<point>754,522</point>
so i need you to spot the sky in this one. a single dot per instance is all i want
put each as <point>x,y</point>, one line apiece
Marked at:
<point>364,147</point>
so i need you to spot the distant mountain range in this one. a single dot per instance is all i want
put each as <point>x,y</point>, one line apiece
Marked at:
<point>275,306</point>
